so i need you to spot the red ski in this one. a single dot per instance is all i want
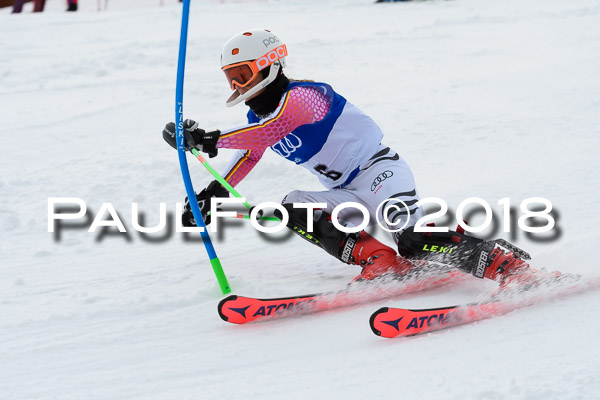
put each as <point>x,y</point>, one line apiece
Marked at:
<point>392,322</point>
<point>240,310</point>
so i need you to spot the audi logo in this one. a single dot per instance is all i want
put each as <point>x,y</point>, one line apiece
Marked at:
<point>380,178</point>
<point>286,146</point>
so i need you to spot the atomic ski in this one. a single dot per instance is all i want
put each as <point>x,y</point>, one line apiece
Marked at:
<point>239,309</point>
<point>392,322</point>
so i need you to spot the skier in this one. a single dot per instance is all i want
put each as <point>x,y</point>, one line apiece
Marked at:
<point>313,126</point>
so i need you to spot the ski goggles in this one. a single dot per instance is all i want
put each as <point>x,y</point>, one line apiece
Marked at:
<point>240,75</point>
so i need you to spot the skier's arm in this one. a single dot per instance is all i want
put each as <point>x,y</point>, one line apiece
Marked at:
<point>299,106</point>
<point>241,164</point>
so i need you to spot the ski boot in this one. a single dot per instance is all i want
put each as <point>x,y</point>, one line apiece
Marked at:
<point>497,259</point>
<point>509,268</point>
<point>376,259</point>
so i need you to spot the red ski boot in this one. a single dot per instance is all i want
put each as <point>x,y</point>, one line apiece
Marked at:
<point>377,259</point>
<point>499,264</point>
<point>512,271</point>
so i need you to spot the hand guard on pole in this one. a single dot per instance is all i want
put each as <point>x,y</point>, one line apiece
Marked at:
<point>214,189</point>
<point>195,137</point>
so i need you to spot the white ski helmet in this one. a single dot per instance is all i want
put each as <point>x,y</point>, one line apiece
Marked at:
<point>245,55</point>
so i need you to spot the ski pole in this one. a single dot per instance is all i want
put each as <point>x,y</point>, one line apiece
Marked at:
<point>226,185</point>
<point>185,172</point>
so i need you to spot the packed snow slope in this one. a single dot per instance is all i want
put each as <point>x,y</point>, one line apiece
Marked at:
<point>483,98</point>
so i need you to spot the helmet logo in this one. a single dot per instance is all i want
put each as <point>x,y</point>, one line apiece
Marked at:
<point>269,41</point>
<point>271,57</point>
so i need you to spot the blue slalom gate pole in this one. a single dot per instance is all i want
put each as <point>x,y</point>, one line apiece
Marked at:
<point>185,172</point>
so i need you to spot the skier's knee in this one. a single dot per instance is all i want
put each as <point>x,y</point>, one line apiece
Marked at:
<point>295,196</point>
<point>297,216</point>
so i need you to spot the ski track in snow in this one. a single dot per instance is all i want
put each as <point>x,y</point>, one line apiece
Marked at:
<point>482,98</point>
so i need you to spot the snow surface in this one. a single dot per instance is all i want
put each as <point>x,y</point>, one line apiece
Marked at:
<point>483,98</point>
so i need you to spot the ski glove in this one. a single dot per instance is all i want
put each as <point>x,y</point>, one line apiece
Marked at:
<point>203,198</point>
<point>194,137</point>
